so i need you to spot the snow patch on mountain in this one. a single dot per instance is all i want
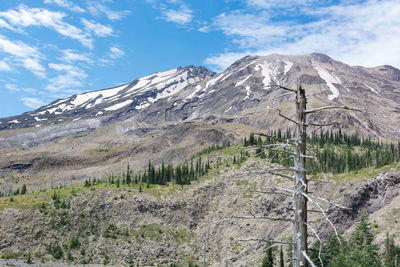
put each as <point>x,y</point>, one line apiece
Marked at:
<point>119,105</point>
<point>248,91</point>
<point>37,119</point>
<point>287,67</point>
<point>226,77</point>
<point>228,109</point>
<point>243,81</point>
<point>142,106</point>
<point>197,89</point>
<point>329,79</point>
<point>372,89</point>
<point>245,66</point>
<point>214,81</point>
<point>267,72</point>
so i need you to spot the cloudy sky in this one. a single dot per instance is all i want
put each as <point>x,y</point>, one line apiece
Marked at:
<point>51,49</point>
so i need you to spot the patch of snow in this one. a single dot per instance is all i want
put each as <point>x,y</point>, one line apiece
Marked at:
<point>211,91</point>
<point>172,90</point>
<point>223,79</point>
<point>228,109</point>
<point>248,91</point>
<point>37,119</point>
<point>266,72</point>
<point>372,89</point>
<point>139,85</point>
<point>329,79</point>
<point>1,122</point>
<point>245,66</point>
<point>59,102</point>
<point>197,88</point>
<point>142,106</point>
<point>214,81</point>
<point>180,78</point>
<point>99,113</point>
<point>83,98</point>
<point>14,121</point>
<point>119,105</point>
<point>37,125</point>
<point>243,81</point>
<point>147,82</point>
<point>166,73</point>
<point>77,119</point>
<point>287,67</point>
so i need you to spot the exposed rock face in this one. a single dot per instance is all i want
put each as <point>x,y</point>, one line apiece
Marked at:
<point>370,197</point>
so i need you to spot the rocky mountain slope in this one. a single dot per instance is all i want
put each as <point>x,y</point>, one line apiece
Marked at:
<point>244,92</point>
<point>165,225</point>
<point>168,115</point>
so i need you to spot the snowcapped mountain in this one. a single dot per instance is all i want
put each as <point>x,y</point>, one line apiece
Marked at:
<point>245,92</point>
<point>128,98</point>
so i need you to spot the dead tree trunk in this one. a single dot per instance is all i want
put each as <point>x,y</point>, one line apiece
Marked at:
<point>300,183</point>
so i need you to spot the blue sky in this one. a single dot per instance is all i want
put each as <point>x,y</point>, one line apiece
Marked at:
<point>51,49</point>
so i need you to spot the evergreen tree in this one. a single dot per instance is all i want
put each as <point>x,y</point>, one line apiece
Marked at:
<point>360,250</point>
<point>128,175</point>
<point>281,259</point>
<point>391,256</point>
<point>268,260</point>
<point>23,189</point>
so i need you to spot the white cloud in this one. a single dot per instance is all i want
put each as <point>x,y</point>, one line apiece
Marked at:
<point>70,55</point>
<point>23,54</point>
<point>97,9</point>
<point>173,11</point>
<point>11,87</point>
<point>268,4</point>
<point>181,16</point>
<point>222,61</point>
<point>4,24</point>
<point>71,79</point>
<point>4,66</point>
<point>34,66</point>
<point>115,53</point>
<point>25,17</point>
<point>97,29</point>
<point>363,33</point>
<point>32,102</point>
<point>66,4</point>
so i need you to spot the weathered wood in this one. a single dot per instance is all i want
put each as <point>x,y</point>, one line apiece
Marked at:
<point>300,183</point>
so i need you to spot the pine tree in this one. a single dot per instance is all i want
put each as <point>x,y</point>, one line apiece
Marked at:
<point>268,260</point>
<point>281,259</point>
<point>23,189</point>
<point>360,250</point>
<point>128,175</point>
<point>391,256</point>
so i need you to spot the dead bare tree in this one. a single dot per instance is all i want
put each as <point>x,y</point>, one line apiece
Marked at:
<point>299,192</point>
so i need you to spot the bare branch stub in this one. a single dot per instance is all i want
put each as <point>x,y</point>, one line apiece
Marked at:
<point>256,218</point>
<point>266,240</point>
<point>284,88</point>
<point>343,107</point>
<point>322,125</point>
<point>304,253</point>
<point>283,116</point>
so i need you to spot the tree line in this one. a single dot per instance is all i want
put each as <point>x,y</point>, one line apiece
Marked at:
<point>181,174</point>
<point>334,152</point>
